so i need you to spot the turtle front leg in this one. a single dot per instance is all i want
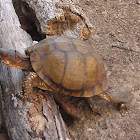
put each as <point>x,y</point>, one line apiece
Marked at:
<point>117,97</point>
<point>27,86</point>
<point>32,80</point>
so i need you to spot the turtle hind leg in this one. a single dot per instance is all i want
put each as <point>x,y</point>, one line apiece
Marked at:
<point>117,97</point>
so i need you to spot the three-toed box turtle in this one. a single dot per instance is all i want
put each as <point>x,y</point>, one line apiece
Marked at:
<point>63,64</point>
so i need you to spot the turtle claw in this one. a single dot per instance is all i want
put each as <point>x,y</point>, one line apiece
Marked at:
<point>121,106</point>
<point>21,95</point>
<point>27,52</point>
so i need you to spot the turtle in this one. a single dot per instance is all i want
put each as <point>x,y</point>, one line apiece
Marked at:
<point>65,65</point>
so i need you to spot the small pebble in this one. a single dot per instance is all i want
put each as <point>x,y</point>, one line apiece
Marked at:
<point>138,1</point>
<point>89,129</point>
<point>88,3</point>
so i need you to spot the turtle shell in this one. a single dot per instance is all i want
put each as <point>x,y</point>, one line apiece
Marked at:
<point>69,66</point>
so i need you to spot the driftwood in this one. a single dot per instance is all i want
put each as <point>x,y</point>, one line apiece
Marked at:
<point>41,118</point>
<point>58,18</point>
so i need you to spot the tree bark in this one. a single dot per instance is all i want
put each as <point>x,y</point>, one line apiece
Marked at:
<point>39,119</point>
<point>58,18</point>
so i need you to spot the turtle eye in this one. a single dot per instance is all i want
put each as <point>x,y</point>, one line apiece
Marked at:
<point>27,52</point>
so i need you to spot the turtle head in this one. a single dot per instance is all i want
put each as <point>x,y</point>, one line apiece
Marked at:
<point>8,56</point>
<point>15,59</point>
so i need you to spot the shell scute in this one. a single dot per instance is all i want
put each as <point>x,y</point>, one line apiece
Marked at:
<point>34,59</point>
<point>91,71</point>
<point>73,78</point>
<point>54,64</point>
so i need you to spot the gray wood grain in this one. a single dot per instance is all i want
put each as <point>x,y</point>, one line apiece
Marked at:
<point>20,124</point>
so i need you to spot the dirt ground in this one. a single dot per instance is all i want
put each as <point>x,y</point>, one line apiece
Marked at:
<point>116,37</point>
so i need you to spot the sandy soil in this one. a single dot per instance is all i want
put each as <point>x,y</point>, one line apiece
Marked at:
<point>116,37</point>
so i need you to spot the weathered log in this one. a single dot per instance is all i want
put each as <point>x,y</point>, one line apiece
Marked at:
<point>39,119</point>
<point>61,18</point>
